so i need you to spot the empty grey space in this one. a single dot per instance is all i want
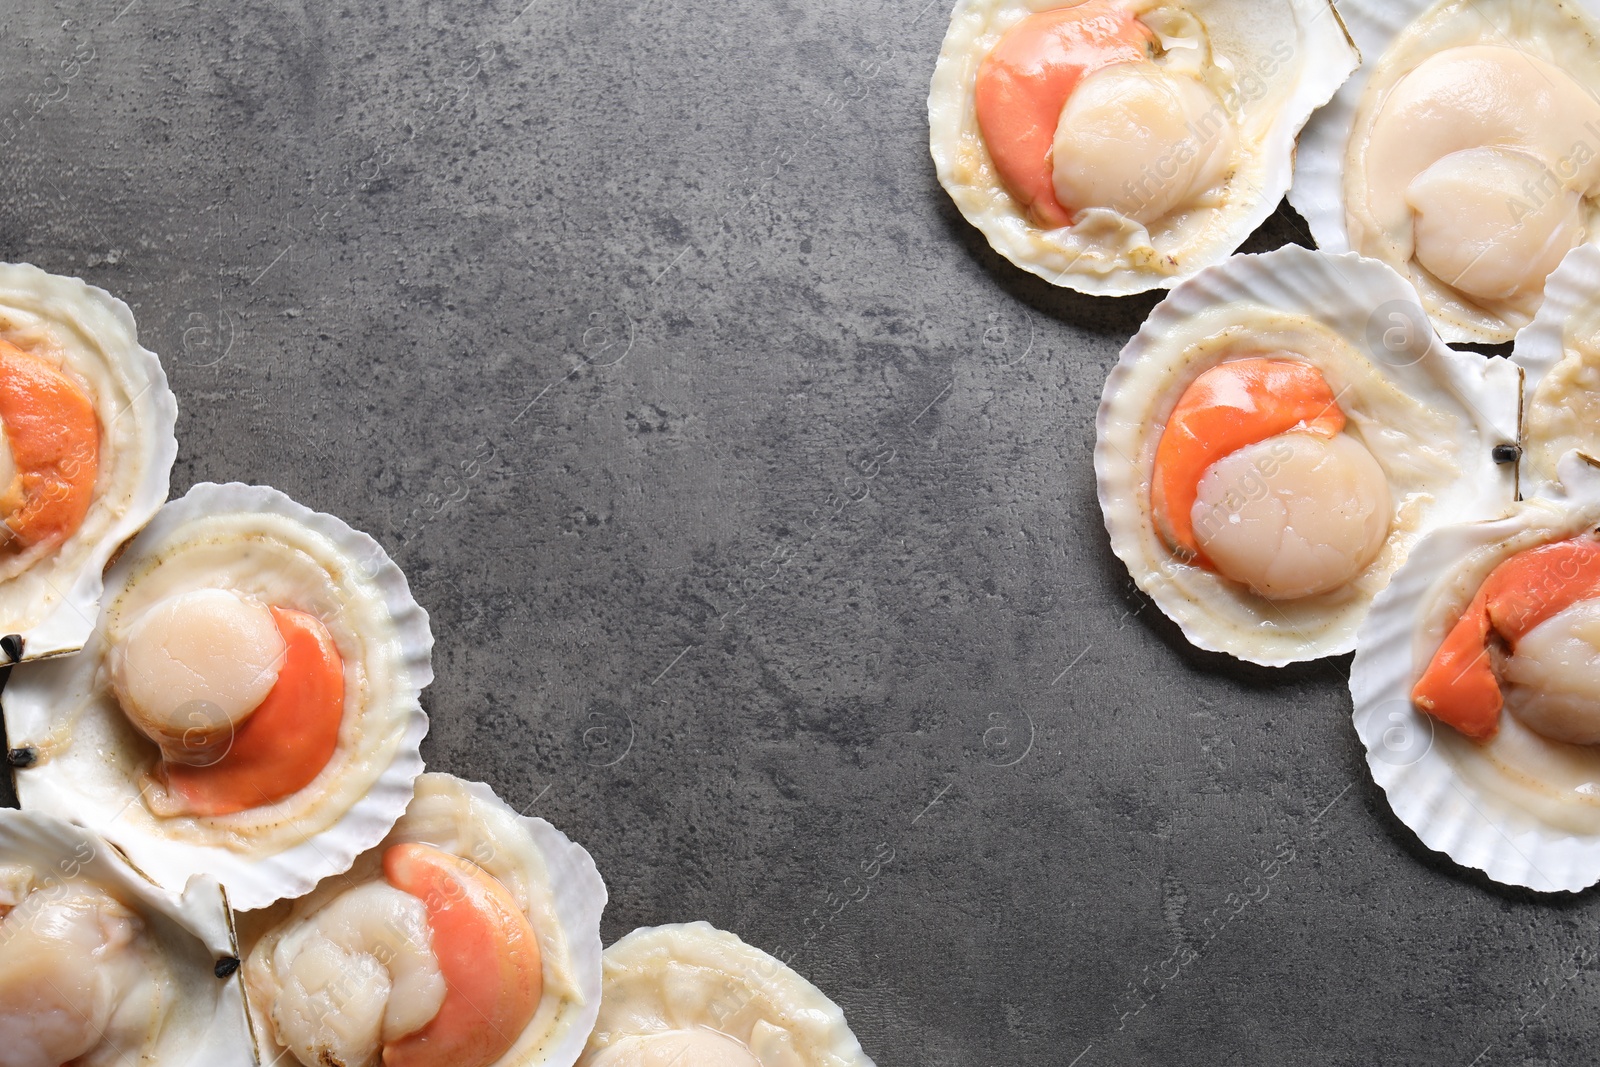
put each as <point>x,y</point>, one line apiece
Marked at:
<point>752,499</point>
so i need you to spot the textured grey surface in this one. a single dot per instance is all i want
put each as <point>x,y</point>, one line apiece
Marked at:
<point>751,497</point>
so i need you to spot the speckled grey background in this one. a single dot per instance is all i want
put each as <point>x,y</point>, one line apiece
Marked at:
<point>751,496</point>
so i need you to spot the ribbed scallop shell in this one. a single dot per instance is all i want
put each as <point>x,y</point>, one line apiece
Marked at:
<point>1377,313</point>
<point>89,759</point>
<point>1276,95</point>
<point>552,877</point>
<point>194,928</point>
<point>1438,782</point>
<point>53,604</point>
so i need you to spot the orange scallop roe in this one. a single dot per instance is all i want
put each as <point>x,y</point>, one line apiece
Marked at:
<point>1024,83</point>
<point>1226,408</point>
<point>487,951</point>
<point>1460,686</point>
<point>55,445</point>
<point>286,741</point>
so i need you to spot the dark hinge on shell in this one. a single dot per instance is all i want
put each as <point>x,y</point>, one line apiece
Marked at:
<point>1506,453</point>
<point>11,646</point>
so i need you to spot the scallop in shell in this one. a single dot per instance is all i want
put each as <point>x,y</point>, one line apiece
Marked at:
<point>1116,146</point>
<point>690,993</point>
<point>248,704</point>
<point>1466,153</point>
<point>86,448</point>
<point>1277,436</point>
<point>470,937</point>
<point>101,968</point>
<point>1494,628</point>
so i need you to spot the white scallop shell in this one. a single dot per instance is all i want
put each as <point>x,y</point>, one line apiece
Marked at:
<point>688,975</point>
<point>1252,35</point>
<point>60,595</point>
<point>552,877</point>
<point>1318,189</point>
<point>195,929</point>
<point>1571,301</point>
<point>1438,782</point>
<point>1377,312</point>
<point>89,759</point>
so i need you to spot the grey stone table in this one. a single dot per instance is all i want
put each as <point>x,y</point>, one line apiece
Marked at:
<point>751,497</point>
